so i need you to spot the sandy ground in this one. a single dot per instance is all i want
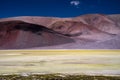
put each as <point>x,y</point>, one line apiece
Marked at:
<point>97,62</point>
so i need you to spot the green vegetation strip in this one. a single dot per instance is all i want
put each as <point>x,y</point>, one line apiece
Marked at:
<point>57,77</point>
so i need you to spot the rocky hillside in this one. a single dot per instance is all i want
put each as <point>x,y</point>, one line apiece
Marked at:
<point>20,35</point>
<point>30,31</point>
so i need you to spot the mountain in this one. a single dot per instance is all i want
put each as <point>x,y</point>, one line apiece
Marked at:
<point>20,35</point>
<point>101,22</point>
<point>89,29</point>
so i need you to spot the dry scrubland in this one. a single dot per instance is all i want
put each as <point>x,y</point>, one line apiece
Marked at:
<point>57,77</point>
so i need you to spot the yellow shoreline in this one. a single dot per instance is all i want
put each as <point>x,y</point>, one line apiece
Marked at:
<point>61,50</point>
<point>65,51</point>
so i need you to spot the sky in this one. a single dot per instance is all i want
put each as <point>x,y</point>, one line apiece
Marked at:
<point>57,8</point>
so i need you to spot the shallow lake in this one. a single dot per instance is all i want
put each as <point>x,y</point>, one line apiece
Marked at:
<point>98,62</point>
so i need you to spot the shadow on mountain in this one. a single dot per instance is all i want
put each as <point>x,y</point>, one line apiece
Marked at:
<point>21,35</point>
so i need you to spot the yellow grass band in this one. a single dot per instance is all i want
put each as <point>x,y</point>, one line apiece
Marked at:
<point>62,51</point>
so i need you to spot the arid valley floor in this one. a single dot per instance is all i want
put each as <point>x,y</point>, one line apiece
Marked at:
<point>90,62</point>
